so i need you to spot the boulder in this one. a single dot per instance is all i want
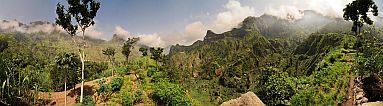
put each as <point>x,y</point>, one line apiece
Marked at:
<point>248,99</point>
<point>360,93</point>
<point>358,97</point>
<point>364,100</point>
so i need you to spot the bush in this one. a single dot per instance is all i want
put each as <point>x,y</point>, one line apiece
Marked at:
<point>170,94</point>
<point>116,83</point>
<point>104,90</point>
<point>137,95</point>
<point>93,70</point>
<point>87,101</point>
<point>277,89</point>
<point>129,99</point>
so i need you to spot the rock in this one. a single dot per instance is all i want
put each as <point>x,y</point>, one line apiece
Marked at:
<point>358,97</point>
<point>358,101</point>
<point>364,100</point>
<point>373,104</point>
<point>357,89</point>
<point>360,93</point>
<point>248,99</point>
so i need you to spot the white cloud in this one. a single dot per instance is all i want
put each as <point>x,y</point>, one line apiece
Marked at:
<point>12,25</point>
<point>332,8</point>
<point>45,27</point>
<point>284,11</point>
<point>195,31</point>
<point>93,32</point>
<point>121,32</point>
<point>153,40</point>
<point>234,14</point>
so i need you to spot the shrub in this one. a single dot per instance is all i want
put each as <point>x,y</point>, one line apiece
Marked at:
<point>104,90</point>
<point>93,70</point>
<point>129,99</point>
<point>170,94</point>
<point>137,95</point>
<point>116,83</point>
<point>87,101</point>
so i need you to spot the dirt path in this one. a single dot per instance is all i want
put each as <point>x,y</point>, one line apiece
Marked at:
<point>58,99</point>
<point>350,90</point>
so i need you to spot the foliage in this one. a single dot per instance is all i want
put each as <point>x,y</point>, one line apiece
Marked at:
<point>65,70</point>
<point>82,11</point>
<point>103,91</point>
<point>88,101</point>
<point>357,12</point>
<point>93,70</point>
<point>110,52</point>
<point>170,94</point>
<point>116,83</point>
<point>128,45</point>
<point>277,89</point>
<point>129,99</point>
<point>144,51</point>
<point>156,53</point>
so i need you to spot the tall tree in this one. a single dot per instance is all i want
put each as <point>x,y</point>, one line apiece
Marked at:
<point>357,11</point>
<point>83,12</point>
<point>128,45</point>
<point>110,52</point>
<point>66,65</point>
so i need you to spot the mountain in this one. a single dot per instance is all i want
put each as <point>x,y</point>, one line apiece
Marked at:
<point>272,27</point>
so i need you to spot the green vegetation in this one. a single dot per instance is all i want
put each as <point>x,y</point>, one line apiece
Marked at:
<point>283,62</point>
<point>170,94</point>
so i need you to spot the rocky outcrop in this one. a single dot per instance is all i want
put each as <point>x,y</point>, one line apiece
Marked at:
<point>359,92</point>
<point>248,99</point>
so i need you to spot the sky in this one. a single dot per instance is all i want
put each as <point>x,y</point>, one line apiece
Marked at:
<point>166,22</point>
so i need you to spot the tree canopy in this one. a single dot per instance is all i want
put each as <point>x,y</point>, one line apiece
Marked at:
<point>357,11</point>
<point>128,45</point>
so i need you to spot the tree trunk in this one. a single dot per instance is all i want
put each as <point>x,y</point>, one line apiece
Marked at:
<point>82,75</point>
<point>65,92</point>
<point>82,57</point>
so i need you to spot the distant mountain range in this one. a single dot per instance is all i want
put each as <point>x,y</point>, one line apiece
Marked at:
<point>274,27</point>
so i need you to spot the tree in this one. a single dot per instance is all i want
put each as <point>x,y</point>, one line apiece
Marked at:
<point>83,12</point>
<point>128,45</point>
<point>144,51</point>
<point>156,54</point>
<point>357,12</point>
<point>66,69</point>
<point>3,45</point>
<point>110,52</point>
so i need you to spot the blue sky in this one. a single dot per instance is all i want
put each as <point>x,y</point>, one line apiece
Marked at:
<point>165,22</point>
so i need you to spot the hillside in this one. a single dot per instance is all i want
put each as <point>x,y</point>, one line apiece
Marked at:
<point>313,60</point>
<point>276,58</point>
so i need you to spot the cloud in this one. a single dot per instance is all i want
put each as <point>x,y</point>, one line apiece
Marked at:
<point>93,32</point>
<point>234,14</point>
<point>45,27</point>
<point>12,25</point>
<point>332,8</point>
<point>195,31</point>
<point>230,17</point>
<point>153,40</point>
